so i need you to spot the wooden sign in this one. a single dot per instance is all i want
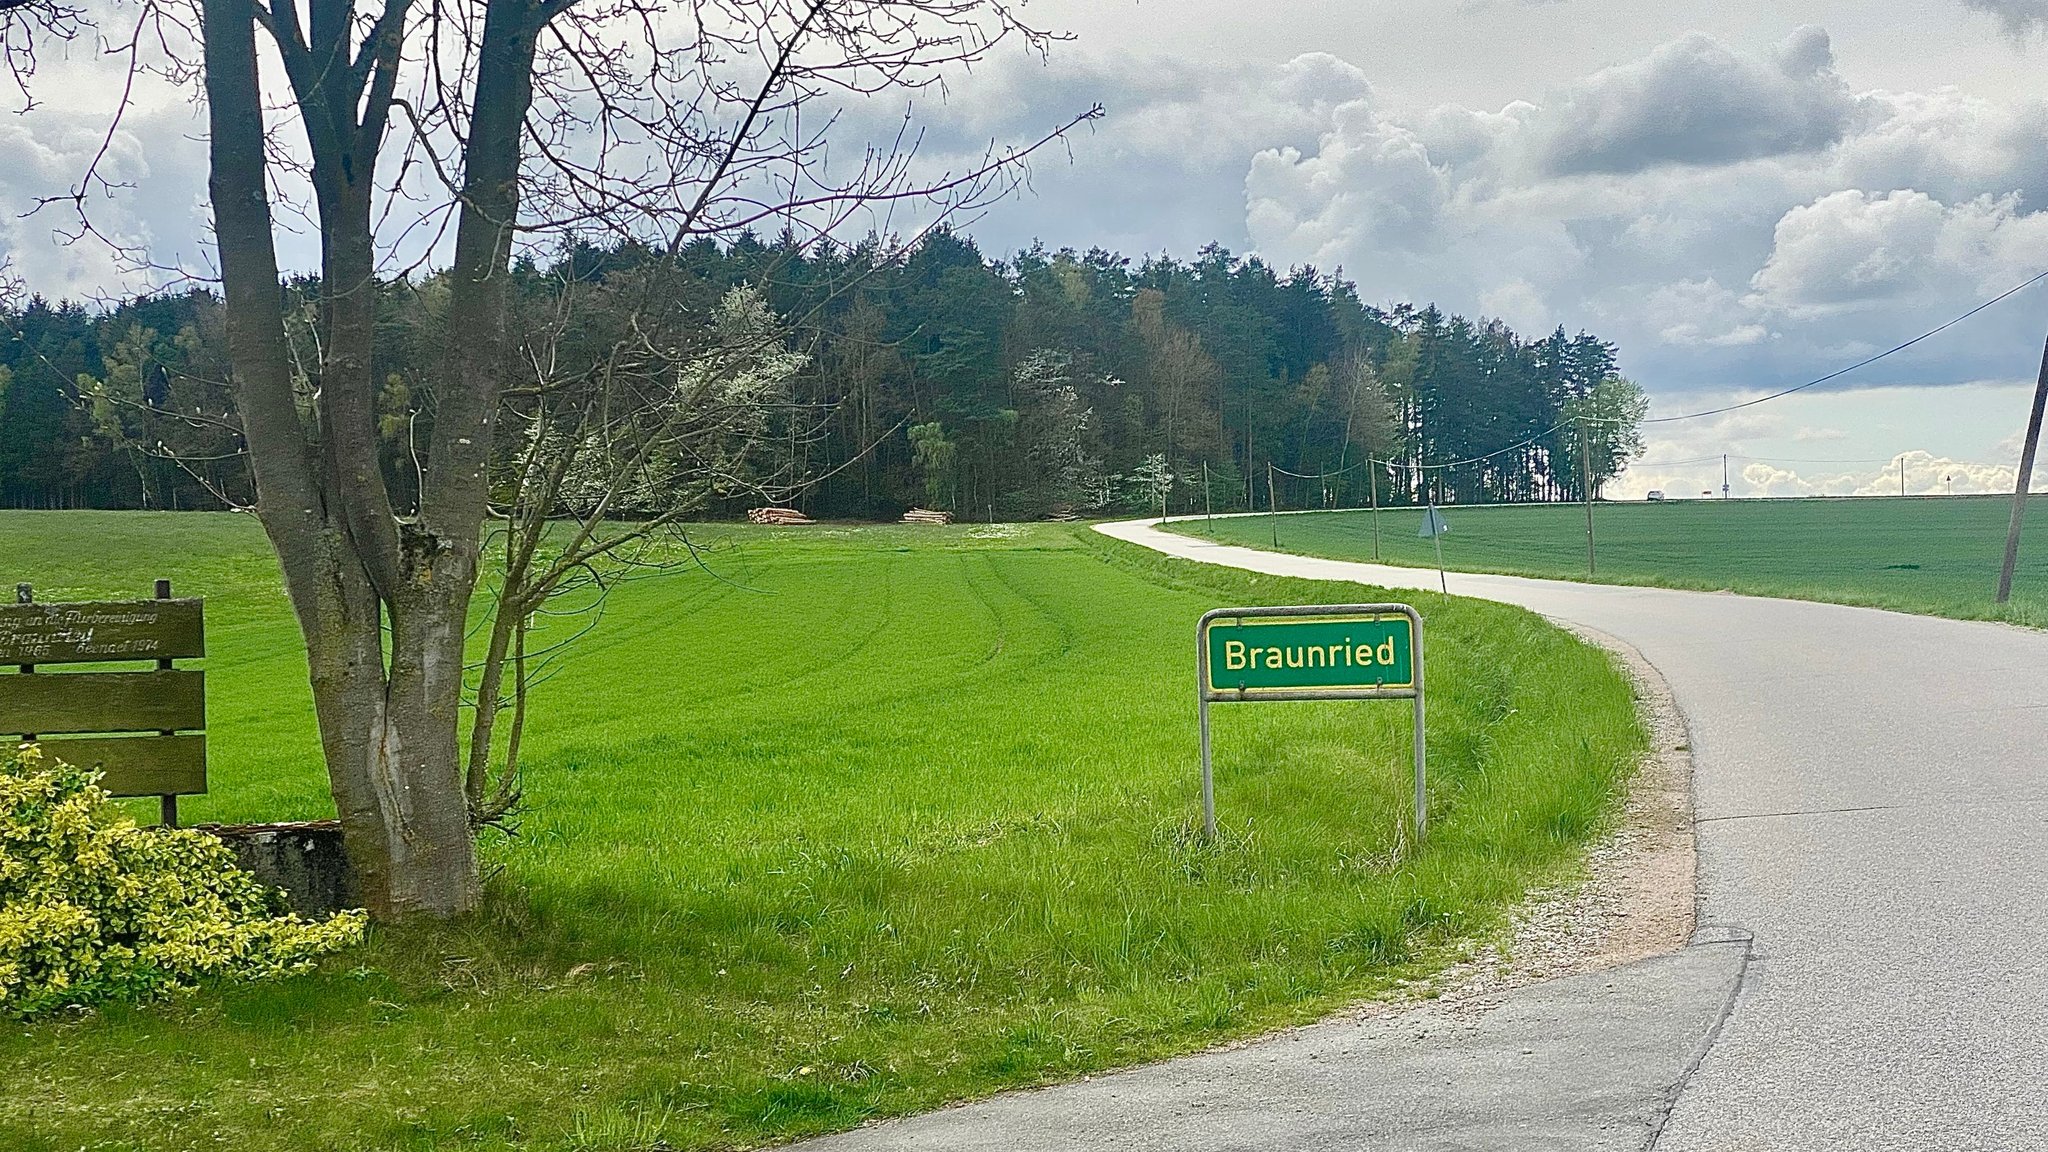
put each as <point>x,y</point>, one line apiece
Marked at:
<point>101,630</point>
<point>61,704</point>
<point>143,730</point>
<point>165,766</point>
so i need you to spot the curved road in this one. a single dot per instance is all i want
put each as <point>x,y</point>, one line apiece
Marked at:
<point>1871,810</point>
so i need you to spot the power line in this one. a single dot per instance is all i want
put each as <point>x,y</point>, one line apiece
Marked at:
<point>1716,457</point>
<point>1815,460</point>
<point>1865,362</point>
<point>1321,475</point>
<point>1419,467</point>
<point>1530,442</point>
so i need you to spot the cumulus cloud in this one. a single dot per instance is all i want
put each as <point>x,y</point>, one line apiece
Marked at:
<point>2020,17</point>
<point>1925,475</point>
<point>1964,437</point>
<point>1163,169</point>
<point>1701,313</point>
<point>1732,217</point>
<point>1697,101</point>
<point>1852,249</point>
<point>48,151</point>
<point>1729,217</point>
<point>1372,184</point>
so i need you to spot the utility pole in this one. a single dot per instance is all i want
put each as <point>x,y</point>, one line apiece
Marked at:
<point>1251,492</point>
<point>2025,481</point>
<point>1902,473</point>
<point>1724,475</point>
<point>1586,482</point>
<point>1272,505</point>
<point>1208,502</point>
<point>1372,478</point>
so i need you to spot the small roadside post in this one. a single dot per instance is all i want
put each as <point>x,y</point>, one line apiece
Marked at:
<point>1208,502</point>
<point>1434,527</point>
<point>1372,475</point>
<point>1310,652</point>
<point>1586,484</point>
<point>1272,505</point>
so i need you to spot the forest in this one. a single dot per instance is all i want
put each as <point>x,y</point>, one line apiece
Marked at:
<point>1051,383</point>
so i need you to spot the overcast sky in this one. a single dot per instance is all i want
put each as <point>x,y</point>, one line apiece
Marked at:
<point>1743,194</point>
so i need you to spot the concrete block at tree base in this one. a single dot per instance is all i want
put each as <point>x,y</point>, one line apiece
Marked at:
<point>305,859</point>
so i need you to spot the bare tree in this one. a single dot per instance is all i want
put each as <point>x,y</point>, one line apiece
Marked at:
<point>1184,375</point>
<point>1369,413</point>
<point>634,417</point>
<point>661,121</point>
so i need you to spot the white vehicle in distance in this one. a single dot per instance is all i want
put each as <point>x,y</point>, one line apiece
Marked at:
<point>1655,495</point>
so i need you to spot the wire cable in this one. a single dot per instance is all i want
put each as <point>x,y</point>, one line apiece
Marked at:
<point>1320,475</point>
<point>1816,382</point>
<point>1762,460</point>
<point>1865,362</point>
<point>1677,463</point>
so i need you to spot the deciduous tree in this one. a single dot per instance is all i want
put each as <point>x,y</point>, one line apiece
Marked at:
<point>479,127</point>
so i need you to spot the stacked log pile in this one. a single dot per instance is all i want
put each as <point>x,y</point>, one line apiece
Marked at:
<point>926,516</point>
<point>777,516</point>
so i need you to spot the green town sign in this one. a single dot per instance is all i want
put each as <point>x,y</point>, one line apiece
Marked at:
<point>1260,655</point>
<point>1310,652</point>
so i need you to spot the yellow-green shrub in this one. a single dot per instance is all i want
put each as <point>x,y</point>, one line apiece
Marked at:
<point>94,908</point>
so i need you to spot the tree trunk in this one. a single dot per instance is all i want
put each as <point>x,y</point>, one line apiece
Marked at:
<point>388,731</point>
<point>388,716</point>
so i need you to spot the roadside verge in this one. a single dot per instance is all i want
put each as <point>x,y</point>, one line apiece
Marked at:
<point>1580,1032</point>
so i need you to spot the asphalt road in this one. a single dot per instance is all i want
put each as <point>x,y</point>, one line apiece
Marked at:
<point>1581,1064</point>
<point>1871,809</point>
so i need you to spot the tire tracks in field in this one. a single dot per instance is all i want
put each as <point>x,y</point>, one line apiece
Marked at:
<point>1006,650</point>
<point>860,644</point>
<point>1060,626</point>
<point>749,689</point>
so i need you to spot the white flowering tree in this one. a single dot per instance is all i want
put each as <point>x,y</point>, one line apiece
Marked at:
<point>1056,428</point>
<point>621,436</point>
<point>1152,482</point>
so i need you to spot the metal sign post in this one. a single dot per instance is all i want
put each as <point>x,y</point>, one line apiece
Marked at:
<point>1434,527</point>
<point>1372,477</point>
<point>1310,652</point>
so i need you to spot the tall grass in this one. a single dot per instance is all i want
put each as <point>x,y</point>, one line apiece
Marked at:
<point>870,820</point>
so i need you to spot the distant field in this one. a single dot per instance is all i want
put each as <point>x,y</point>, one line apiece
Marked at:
<point>1938,556</point>
<point>871,820</point>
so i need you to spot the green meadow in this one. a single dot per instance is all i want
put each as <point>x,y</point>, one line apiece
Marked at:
<point>848,822</point>
<point>1938,556</point>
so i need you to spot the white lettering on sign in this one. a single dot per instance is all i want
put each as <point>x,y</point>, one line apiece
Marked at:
<point>29,633</point>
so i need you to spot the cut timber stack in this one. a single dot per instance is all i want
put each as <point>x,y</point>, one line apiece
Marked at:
<point>777,516</point>
<point>927,516</point>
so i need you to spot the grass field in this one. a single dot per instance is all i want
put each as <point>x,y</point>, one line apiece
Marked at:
<point>875,819</point>
<point>1934,556</point>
